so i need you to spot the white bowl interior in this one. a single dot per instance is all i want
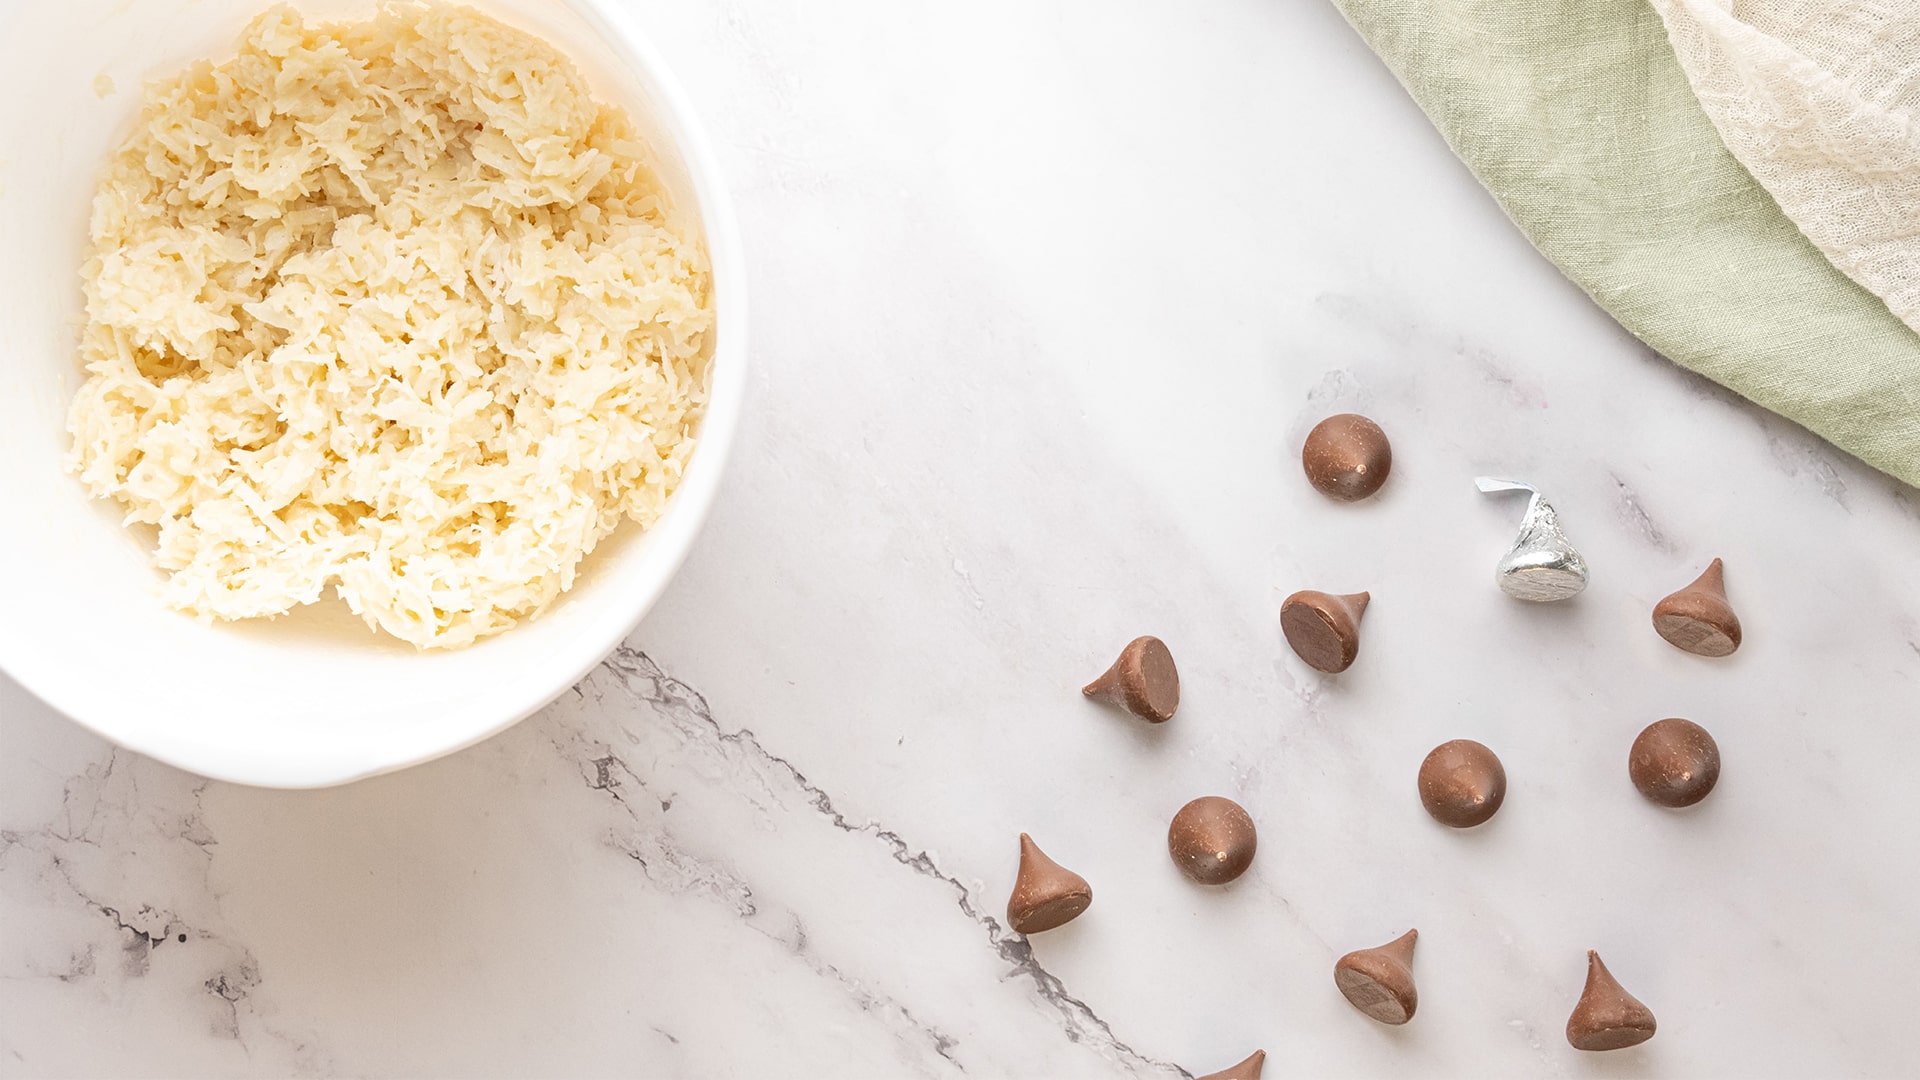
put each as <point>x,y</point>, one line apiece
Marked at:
<point>314,698</point>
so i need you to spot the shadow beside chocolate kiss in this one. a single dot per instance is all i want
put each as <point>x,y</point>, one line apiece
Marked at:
<point>1553,633</point>
<point>1297,678</point>
<point>1636,1062</point>
<point>1144,735</point>
<point>1400,1035</point>
<point>1549,612</point>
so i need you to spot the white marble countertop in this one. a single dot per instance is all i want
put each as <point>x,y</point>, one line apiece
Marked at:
<point>1047,295</point>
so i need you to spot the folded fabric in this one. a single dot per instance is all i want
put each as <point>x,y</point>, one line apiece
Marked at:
<point>1578,118</point>
<point>1818,99</point>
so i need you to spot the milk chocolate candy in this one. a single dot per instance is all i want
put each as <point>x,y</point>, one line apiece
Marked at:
<point>1045,894</point>
<point>1212,840</point>
<point>1247,1070</point>
<point>1324,629</point>
<point>1607,1017</point>
<point>1379,982</point>
<point>1542,565</point>
<point>1347,457</point>
<point>1462,784</point>
<point>1698,619</point>
<point>1143,681</point>
<point>1674,763</point>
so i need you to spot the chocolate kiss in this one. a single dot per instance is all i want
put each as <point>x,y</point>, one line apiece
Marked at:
<point>1698,618</point>
<point>1379,982</point>
<point>1045,894</point>
<point>1246,1070</point>
<point>1542,564</point>
<point>1347,457</point>
<point>1607,1017</point>
<point>1323,628</point>
<point>1674,762</point>
<point>1462,784</point>
<point>1212,840</point>
<point>1143,681</point>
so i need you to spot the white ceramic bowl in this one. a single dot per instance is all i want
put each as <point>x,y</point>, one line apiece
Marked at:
<point>314,698</point>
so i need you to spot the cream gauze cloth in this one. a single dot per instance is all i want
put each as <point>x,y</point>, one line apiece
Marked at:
<point>1820,100</point>
<point>1580,119</point>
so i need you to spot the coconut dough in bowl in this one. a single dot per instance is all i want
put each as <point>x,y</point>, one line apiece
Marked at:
<point>311,698</point>
<point>393,307</point>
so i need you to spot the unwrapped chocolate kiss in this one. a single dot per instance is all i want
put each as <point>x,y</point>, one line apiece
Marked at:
<point>1674,763</point>
<point>1347,457</point>
<point>1607,1017</point>
<point>1143,681</point>
<point>1698,618</point>
<point>1324,628</point>
<point>1045,894</point>
<point>1462,784</point>
<point>1212,840</point>
<point>1379,982</point>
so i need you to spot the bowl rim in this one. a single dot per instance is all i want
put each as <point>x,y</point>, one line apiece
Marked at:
<point>687,508</point>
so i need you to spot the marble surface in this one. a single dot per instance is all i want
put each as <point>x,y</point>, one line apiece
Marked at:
<point>1046,297</point>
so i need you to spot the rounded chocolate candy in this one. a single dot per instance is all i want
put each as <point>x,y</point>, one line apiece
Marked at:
<point>1347,457</point>
<point>1379,982</point>
<point>1045,894</point>
<point>1674,762</point>
<point>1462,784</point>
<point>1212,840</point>
<point>1324,628</point>
<point>1142,681</point>
<point>1698,618</point>
<point>1607,1017</point>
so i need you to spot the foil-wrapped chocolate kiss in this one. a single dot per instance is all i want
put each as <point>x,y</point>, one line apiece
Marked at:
<point>1542,564</point>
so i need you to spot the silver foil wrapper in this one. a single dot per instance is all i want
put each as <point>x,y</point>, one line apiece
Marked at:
<point>1542,564</point>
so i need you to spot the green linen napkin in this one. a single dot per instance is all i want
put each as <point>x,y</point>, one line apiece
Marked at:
<point>1577,117</point>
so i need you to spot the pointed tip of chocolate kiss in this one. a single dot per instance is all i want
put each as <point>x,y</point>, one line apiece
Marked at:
<point>1699,619</point>
<point>1143,681</point>
<point>1379,981</point>
<point>1045,894</point>
<point>1246,1070</point>
<point>1607,1017</point>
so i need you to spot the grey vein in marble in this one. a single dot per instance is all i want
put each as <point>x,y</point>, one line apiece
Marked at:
<point>640,675</point>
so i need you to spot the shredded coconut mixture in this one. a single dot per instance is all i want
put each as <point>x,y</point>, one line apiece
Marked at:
<point>393,306</point>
